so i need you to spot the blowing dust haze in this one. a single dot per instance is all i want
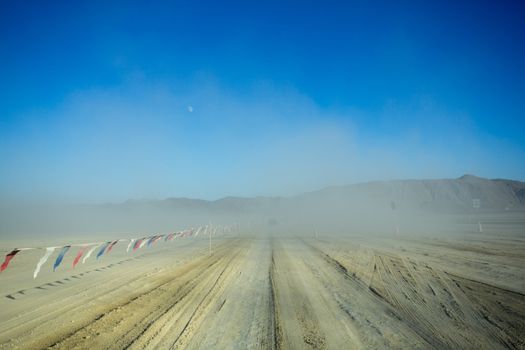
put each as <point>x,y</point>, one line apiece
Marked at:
<point>265,176</point>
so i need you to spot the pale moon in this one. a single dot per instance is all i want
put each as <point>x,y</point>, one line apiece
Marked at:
<point>190,109</point>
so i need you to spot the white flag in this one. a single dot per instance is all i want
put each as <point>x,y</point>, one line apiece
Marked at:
<point>130,244</point>
<point>41,262</point>
<point>89,253</point>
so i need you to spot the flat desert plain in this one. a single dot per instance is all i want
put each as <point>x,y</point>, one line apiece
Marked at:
<point>278,291</point>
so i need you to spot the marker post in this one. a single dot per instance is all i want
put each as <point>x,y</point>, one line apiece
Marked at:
<point>210,237</point>
<point>476,204</point>
<point>396,221</point>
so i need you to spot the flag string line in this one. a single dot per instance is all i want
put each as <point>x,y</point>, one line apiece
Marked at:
<point>105,247</point>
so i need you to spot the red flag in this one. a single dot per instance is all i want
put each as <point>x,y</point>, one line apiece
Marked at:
<point>137,244</point>
<point>79,255</point>
<point>111,246</point>
<point>8,258</point>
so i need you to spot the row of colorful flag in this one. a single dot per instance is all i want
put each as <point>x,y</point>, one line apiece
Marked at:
<point>103,248</point>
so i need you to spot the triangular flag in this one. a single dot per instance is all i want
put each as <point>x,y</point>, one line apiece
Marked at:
<point>61,256</point>
<point>79,255</point>
<point>49,251</point>
<point>130,244</point>
<point>89,253</point>
<point>138,244</point>
<point>151,240</point>
<point>8,258</point>
<point>101,251</point>
<point>111,246</point>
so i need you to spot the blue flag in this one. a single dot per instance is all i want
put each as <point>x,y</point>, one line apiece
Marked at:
<point>101,251</point>
<point>61,256</point>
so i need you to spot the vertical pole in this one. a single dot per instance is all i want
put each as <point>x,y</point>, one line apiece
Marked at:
<point>476,205</point>
<point>396,219</point>
<point>210,238</point>
<point>479,222</point>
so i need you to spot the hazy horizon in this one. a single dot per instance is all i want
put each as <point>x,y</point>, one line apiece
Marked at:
<point>94,201</point>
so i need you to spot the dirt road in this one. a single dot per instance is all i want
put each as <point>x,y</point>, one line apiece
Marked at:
<point>265,293</point>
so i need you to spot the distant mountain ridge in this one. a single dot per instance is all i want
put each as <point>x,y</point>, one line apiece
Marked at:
<point>441,195</point>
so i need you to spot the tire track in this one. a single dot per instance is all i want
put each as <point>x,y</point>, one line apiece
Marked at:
<point>278,293</point>
<point>391,307</point>
<point>275,331</point>
<point>35,319</point>
<point>153,328</point>
<point>297,303</point>
<point>445,310</point>
<point>420,325</point>
<point>202,303</point>
<point>151,305</point>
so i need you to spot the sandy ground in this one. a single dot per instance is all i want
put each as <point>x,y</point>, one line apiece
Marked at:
<point>274,292</point>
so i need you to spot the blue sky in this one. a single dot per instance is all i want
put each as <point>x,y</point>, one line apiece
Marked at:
<point>286,96</point>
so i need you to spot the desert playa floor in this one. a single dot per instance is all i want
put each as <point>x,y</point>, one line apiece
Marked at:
<point>266,292</point>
